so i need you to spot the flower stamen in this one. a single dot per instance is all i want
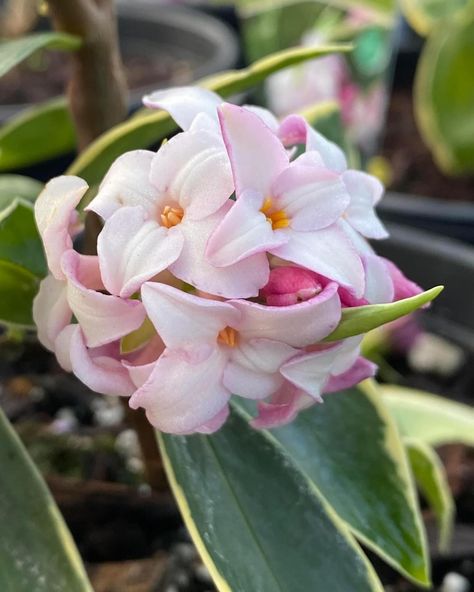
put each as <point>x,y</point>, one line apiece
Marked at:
<point>278,219</point>
<point>171,216</point>
<point>227,336</point>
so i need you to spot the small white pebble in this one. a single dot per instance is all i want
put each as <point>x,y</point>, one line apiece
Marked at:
<point>202,573</point>
<point>454,582</point>
<point>126,443</point>
<point>135,465</point>
<point>431,353</point>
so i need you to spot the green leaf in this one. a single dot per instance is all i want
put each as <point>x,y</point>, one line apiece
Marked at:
<point>148,129</point>
<point>257,521</point>
<point>432,481</point>
<point>362,319</point>
<point>424,15</point>
<point>20,241</point>
<point>37,134</point>
<point>350,450</point>
<point>37,553</point>
<point>18,287</point>
<point>13,186</point>
<point>14,51</point>
<point>444,93</point>
<point>429,418</point>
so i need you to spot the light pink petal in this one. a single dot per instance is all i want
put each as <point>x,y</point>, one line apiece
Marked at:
<point>101,373</point>
<point>103,318</point>
<point>127,183</point>
<point>184,103</point>
<point>379,286</point>
<point>240,280</point>
<point>193,170</point>
<point>53,210</point>
<point>184,390</point>
<point>403,287</point>
<point>312,198</point>
<point>139,374</point>
<point>297,325</point>
<point>256,154</point>
<point>182,319</point>
<point>329,252</point>
<point>88,272</point>
<point>290,285</point>
<point>51,311</point>
<point>62,347</point>
<point>360,370</point>
<point>215,423</point>
<point>265,115</point>
<point>294,129</point>
<point>252,371</point>
<point>283,407</point>
<point>132,249</point>
<point>365,192</point>
<point>243,232</point>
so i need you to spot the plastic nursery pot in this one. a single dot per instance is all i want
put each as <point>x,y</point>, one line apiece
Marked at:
<point>430,259</point>
<point>451,219</point>
<point>161,46</point>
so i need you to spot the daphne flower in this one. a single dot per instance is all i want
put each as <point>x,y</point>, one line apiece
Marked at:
<point>214,349</point>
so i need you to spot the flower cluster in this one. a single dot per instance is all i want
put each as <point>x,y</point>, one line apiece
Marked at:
<point>224,261</point>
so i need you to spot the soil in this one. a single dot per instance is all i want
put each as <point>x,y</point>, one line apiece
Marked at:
<point>45,75</point>
<point>413,168</point>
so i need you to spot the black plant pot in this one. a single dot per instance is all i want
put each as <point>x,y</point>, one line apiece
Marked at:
<point>430,260</point>
<point>146,30</point>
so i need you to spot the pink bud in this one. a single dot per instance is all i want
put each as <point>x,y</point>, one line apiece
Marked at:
<point>290,285</point>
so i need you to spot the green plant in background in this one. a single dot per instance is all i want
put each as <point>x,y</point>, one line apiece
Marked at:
<point>444,91</point>
<point>284,509</point>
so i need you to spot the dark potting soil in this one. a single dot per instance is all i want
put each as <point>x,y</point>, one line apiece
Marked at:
<point>44,76</point>
<point>413,168</point>
<point>131,539</point>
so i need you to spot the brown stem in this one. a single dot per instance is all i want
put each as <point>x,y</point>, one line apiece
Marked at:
<point>97,90</point>
<point>154,471</point>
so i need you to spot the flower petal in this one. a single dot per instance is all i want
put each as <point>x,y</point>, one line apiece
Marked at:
<point>184,103</point>
<point>182,319</point>
<point>103,318</point>
<point>215,423</point>
<point>184,390</point>
<point>360,370</point>
<point>193,170</point>
<point>244,231</point>
<point>132,249</point>
<point>312,197</point>
<point>126,184</point>
<point>53,210</point>
<point>283,407</point>
<point>403,287</point>
<point>240,280</point>
<point>379,286</point>
<point>329,252</point>
<point>256,154</point>
<point>297,325</point>
<point>101,373</point>
<point>365,191</point>
<point>294,129</point>
<point>252,371</point>
<point>51,311</point>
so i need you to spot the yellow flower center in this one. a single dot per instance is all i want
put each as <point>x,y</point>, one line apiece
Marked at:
<point>171,216</point>
<point>228,336</point>
<point>277,218</point>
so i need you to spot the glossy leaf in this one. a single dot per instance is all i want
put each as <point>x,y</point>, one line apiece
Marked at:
<point>257,521</point>
<point>432,419</point>
<point>13,52</point>
<point>424,15</point>
<point>20,241</point>
<point>432,481</point>
<point>145,130</point>
<point>18,287</point>
<point>444,93</point>
<point>13,186</point>
<point>350,450</point>
<point>37,553</point>
<point>36,134</point>
<point>362,319</point>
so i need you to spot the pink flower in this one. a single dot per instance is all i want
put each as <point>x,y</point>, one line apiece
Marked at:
<point>289,210</point>
<point>214,349</point>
